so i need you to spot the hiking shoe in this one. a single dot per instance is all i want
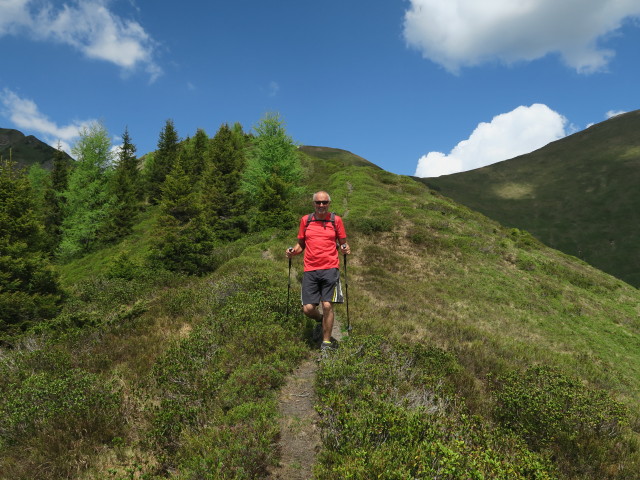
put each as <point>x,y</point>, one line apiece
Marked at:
<point>325,350</point>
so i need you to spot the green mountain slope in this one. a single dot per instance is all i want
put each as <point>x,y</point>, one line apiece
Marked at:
<point>476,352</point>
<point>25,150</point>
<point>579,194</point>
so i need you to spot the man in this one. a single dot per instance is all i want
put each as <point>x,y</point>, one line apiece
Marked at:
<point>317,238</point>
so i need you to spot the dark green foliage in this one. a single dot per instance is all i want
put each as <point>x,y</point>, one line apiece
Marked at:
<point>29,290</point>
<point>54,199</point>
<point>222,196</point>
<point>163,160</point>
<point>194,153</point>
<point>184,240</point>
<point>390,411</point>
<point>550,410</point>
<point>125,185</point>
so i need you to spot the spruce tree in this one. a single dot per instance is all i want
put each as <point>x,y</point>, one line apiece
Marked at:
<point>29,290</point>
<point>126,189</point>
<point>184,241</point>
<point>163,159</point>
<point>54,200</point>
<point>222,195</point>
<point>197,151</point>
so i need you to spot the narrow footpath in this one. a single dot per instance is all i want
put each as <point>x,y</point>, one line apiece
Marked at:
<point>299,422</point>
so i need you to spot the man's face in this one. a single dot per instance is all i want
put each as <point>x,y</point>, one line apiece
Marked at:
<point>321,203</point>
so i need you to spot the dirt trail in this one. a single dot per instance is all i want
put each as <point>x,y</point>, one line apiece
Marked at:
<point>299,422</point>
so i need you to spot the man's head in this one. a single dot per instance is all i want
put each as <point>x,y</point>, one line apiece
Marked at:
<point>321,202</point>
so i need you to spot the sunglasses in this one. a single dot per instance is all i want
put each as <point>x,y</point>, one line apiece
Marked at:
<point>322,202</point>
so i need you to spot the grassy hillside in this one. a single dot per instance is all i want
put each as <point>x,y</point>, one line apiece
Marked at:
<point>476,352</point>
<point>579,194</point>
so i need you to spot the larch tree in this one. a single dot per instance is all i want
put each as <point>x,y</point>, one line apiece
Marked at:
<point>272,177</point>
<point>88,198</point>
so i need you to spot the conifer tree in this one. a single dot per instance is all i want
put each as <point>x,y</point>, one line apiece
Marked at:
<point>183,240</point>
<point>273,173</point>
<point>163,159</point>
<point>222,195</point>
<point>29,290</point>
<point>197,152</point>
<point>126,189</point>
<point>88,198</point>
<point>54,200</point>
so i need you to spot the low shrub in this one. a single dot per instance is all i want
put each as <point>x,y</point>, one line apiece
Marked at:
<point>553,412</point>
<point>390,411</point>
<point>371,225</point>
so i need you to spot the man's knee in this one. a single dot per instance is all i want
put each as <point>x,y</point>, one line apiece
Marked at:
<point>308,308</point>
<point>327,306</point>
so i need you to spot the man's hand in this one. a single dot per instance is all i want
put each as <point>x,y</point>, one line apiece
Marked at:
<point>345,248</point>
<point>290,252</point>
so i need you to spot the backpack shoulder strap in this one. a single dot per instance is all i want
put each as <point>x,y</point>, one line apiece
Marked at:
<point>332,219</point>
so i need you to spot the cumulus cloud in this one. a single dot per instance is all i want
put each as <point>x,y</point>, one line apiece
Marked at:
<point>88,26</point>
<point>464,33</point>
<point>508,135</point>
<point>24,114</point>
<point>614,113</point>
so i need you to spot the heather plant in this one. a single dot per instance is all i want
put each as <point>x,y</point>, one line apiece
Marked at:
<point>554,412</point>
<point>391,411</point>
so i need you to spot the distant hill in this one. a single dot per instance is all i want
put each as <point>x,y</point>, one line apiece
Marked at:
<point>579,194</point>
<point>335,154</point>
<point>25,150</point>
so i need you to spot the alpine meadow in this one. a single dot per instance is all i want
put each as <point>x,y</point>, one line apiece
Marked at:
<point>144,331</point>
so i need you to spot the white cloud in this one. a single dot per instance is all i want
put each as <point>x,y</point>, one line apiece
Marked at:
<point>614,113</point>
<point>508,135</point>
<point>463,33</point>
<point>88,26</point>
<point>24,114</point>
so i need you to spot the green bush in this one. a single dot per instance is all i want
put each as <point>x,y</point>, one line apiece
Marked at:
<point>77,400</point>
<point>238,355</point>
<point>552,411</point>
<point>371,225</point>
<point>390,411</point>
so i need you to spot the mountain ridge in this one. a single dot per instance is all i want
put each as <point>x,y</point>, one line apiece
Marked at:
<point>577,194</point>
<point>26,150</point>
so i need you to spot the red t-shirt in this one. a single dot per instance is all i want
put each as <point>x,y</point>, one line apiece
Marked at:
<point>320,243</point>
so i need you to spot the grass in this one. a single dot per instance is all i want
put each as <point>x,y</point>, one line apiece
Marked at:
<point>454,316</point>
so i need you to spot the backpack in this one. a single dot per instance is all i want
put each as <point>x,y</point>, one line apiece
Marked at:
<point>332,219</point>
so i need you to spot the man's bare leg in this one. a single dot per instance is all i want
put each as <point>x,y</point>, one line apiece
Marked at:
<point>327,321</point>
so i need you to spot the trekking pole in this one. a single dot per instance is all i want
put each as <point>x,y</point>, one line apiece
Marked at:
<point>288,287</point>
<point>346,290</point>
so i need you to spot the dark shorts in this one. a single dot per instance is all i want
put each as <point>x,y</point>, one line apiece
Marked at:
<point>321,286</point>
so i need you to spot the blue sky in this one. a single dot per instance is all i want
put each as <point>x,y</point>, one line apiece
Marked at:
<point>425,87</point>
